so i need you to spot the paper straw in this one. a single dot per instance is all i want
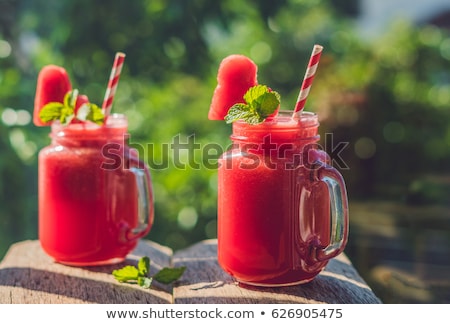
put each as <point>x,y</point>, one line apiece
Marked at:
<point>308,79</point>
<point>112,83</point>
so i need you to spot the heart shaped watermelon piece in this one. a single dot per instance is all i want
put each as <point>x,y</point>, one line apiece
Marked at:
<point>52,85</point>
<point>236,74</point>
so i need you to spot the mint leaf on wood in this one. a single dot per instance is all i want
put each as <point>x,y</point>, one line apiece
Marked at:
<point>145,282</point>
<point>140,274</point>
<point>127,273</point>
<point>169,275</point>
<point>144,266</point>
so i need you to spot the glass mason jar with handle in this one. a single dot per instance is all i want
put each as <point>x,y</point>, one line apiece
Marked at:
<point>95,195</point>
<point>282,208</point>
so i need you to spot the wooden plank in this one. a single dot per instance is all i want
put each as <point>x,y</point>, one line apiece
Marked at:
<point>29,276</point>
<point>205,282</point>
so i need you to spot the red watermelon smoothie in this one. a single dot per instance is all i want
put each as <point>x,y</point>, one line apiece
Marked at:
<point>282,210</point>
<point>90,182</point>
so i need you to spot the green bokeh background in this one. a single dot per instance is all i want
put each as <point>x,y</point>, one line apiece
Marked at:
<point>388,97</point>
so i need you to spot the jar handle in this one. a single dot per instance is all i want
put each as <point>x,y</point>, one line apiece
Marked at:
<point>145,198</point>
<point>338,211</point>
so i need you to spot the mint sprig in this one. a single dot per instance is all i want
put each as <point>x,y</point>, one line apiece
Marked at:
<point>65,111</point>
<point>92,112</point>
<point>140,274</point>
<point>62,111</point>
<point>261,102</point>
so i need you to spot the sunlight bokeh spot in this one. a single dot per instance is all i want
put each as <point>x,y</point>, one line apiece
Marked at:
<point>187,217</point>
<point>9,117</point>
<point>5,49</point>
<point>261,52</point>
<point>365,148</point>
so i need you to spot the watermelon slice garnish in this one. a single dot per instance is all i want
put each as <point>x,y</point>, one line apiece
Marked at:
<point>237,73</point>
<point>56,100</point>
<point>81,100</point>
<point>52,85</point>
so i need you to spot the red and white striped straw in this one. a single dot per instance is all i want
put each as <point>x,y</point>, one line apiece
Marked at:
<point>112,83</point>
<point>308,79</point>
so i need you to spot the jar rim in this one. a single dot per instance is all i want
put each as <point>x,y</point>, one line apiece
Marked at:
<point>281,128</point>
<point>115,125</point>
<point>282,121</point>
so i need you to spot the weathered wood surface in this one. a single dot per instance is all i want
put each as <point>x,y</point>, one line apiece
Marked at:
<point>28,275</point>
<point>205,282</point>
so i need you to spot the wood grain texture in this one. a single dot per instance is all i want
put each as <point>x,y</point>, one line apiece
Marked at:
<point>205,282</point>
<point>28,275</point>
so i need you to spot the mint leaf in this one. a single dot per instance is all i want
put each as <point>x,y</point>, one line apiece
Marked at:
<point>96,114</point>
<point>239,111</point>
<point>70,99</point>
<point>65,111</point>
<point>66,115</point>
<point>261,102</point>
<point>127,273</point>
<point>168,275</point>
<point>140,274</point>
<point>51,111</point>
<point>91,112</point>
<point>255,92</point>
<point>145,282</point>
<point>264,104</point>
<point>144,266</point>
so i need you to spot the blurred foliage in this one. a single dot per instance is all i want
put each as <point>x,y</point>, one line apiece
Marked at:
<point>388,98</point>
